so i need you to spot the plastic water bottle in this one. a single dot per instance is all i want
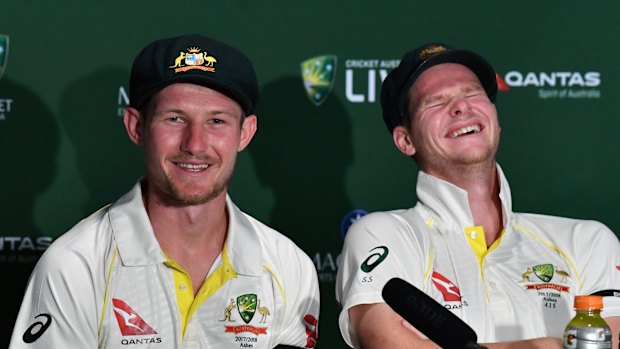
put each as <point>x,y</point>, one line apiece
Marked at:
<point>587,330</point>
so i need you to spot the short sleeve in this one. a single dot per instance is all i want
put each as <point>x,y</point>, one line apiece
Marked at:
<point>377,248</point>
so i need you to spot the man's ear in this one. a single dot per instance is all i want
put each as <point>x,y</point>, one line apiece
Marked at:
<point>248,129</point>
<point>134,125</point>
<point>402,140</point>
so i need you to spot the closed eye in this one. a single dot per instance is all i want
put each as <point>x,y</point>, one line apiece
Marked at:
<point>435,105</point>
<point>474,94</point>
<point>175,119</point>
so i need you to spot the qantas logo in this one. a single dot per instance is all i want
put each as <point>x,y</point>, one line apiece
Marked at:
<point>130,323</point>
<point>549,79</point>
<point>501,84</point>
<point>311,327</point>
<point>450,292</point>
<point>554,84</point>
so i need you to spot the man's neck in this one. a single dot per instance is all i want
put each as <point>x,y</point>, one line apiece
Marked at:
<point>482,185</point>
<point>193,236</point>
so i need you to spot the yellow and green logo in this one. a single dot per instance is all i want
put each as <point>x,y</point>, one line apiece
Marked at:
<point>4,52</point>
<point>319,74</point>
<point>246,305</point>
<point>543,272</point>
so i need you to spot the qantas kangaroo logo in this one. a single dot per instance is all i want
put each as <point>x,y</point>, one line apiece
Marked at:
<point>311,327</point>
<point>450,292</point>
<point>130,323</point>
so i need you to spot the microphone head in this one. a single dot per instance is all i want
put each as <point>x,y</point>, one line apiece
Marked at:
<point>427,316</point>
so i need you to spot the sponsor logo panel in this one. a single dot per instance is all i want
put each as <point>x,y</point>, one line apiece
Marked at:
<point>554,84</point>
<point>6,104</point>
<point>23,249</point>
<point>363,78</point>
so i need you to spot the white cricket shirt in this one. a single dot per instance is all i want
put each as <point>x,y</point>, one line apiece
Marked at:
<point>521,287</point>
<point>107,284</point>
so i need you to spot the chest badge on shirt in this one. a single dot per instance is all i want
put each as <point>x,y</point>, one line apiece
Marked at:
<point>545,273</point>
<point>247,306</point>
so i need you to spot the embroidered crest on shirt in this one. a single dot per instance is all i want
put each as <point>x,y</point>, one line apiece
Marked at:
<point>548,283</point>
<point>247,306</point>
<point>545,273</point>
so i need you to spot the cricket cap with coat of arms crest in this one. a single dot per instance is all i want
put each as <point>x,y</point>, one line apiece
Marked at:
<point>195,59</point>
<point>396,86</point>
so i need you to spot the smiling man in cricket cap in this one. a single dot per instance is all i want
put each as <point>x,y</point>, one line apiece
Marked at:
<point>511,276</point>
<point>174,263</point>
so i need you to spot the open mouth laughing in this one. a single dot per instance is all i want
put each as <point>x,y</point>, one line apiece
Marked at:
<point>468,130</point>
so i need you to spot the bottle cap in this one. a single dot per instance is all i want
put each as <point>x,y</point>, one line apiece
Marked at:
<point>588,302</point>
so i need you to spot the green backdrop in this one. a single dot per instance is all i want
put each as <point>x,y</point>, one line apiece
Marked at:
<point>65,64</point>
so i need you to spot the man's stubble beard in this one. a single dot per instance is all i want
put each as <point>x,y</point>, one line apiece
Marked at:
<point>172,195</point>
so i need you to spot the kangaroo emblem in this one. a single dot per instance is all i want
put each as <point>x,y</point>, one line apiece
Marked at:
<point>179,60</point>
<point>228,311</point>
<point>127,317</point>
<point>526,276</point>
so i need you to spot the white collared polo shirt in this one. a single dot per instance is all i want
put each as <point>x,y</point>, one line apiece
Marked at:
<point>107,284</point>
<point>521,287</point>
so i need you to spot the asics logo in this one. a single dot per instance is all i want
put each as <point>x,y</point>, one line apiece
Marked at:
<point>374,259</point>
<point>37,329</point>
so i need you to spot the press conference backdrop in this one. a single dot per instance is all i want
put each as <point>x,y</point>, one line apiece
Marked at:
<point>322,156</point>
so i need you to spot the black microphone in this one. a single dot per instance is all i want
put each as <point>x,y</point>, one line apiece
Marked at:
<point>428,316</point>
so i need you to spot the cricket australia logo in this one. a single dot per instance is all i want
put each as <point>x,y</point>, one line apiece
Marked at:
<point>545,273</point>
<point>318,74</point>
<point>193,58</point>
<point>4,52</point>
<point>246,305</point>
